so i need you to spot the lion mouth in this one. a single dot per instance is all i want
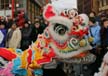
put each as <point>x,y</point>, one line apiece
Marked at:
<point>60,44</point>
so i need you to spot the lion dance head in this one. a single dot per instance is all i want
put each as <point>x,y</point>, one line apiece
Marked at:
<point>66,31</point>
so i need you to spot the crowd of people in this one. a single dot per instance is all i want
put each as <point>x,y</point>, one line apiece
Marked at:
<point>98,30</point>
<point>13,35</point>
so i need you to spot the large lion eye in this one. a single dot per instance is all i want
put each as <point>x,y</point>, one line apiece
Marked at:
<point>60,29</point>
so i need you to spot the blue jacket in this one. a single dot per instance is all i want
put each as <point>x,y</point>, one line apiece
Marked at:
<point>3,37</point>
<point>94,31</point>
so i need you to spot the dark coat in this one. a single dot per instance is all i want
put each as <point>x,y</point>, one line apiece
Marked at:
<point>8,24</point>
<point>104,41</point>
<point>35,32</point>
<point>26,40</point>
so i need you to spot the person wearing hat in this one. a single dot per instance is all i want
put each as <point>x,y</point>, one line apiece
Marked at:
<point>13,38</point>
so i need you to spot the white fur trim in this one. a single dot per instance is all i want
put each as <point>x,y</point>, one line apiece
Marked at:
<point>45,10</point>
<point>85,19</point>
<point>98,74</point>
<point>1,37</point>
<point>105,71</point>
<point>61,20</point>
<point>106,57</point>
<point>73,53</point>
<point>3,61</point>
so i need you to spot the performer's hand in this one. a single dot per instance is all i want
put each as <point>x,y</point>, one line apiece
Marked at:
<point>90,39</point>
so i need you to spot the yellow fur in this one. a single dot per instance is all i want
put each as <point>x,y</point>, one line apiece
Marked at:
<point>24,59</point>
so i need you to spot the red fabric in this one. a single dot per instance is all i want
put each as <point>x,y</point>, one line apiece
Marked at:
<point>81,55</point>
<point>62,14</point>
<point>49,12</point>
<point>50,54</point>
<point>21,20</point>
<point>29,58</point>
<point>79,33</point>
<point>5,53</point>
<point>47,57</point>
<point>44,60</point>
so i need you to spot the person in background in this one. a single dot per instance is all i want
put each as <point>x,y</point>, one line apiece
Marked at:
<point>9,22</point>
<point>104,37</point>
<point>36,29</point>
<point>44,23</point>
<point>13,38</point>
<point>97,17</point>
<point>20,19</point>
<point>103,15</point>
<point>26,32</point>
<point>2,20</point>
<point>92,14</point>
<point>2,35</point>
<point>94,32</point>
<point>37,18</point>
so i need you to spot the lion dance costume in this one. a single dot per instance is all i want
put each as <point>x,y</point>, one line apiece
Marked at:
<point>64,38</point>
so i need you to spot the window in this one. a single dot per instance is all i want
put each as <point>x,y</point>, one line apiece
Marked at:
<point>1,4</point>
<point>100,3</point>
<point>104,2</point>
<point>21,3</point>
<point>4,4</point>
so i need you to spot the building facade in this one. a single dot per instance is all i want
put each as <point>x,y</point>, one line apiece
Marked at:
<point>31,7</point>
<point>103,5</point>
<point>84,6</point>
<point>92,5</point>
<point>95,6</point>
<point>6,6</point>
<point>35,7</point>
